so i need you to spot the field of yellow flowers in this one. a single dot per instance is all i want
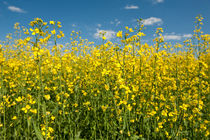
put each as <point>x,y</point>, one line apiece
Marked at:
<point>125,90</point>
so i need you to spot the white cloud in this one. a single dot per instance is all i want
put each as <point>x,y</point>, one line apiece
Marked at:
<point>73,25</point>
<point>159,1</point>
<point>109,34</point>
<point>129,7</point>
<point>187,35</point>
<point>116,22</point>
<point>152,21</point>
<point>16,9</point>
<point>99,25</point>
<point>173,36</point>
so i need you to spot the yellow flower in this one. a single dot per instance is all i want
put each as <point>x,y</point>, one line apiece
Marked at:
<point>47,97</point>
<point>19,99</point>
<point>132,121</point>
<point>51,129</point>
<point>86,103</point>
<point>171,114</point>
<point>28,39</point>
<point>43,133</point>
<point>52,22</point>
<point>130,30</point>
<point>140,34</point>
<point>84,93</point>
<point>184,106</point>
<point>36,31</point>
<point>152,113</point>
<point>75,105</point>
<point>159,30</point>
<point>52,118</point>
<point>53,32</point>
<point>14,118</point>
<point>129,134</point>
<point>66,95</point>
<point>160,125</point>
<point>24,109</point>
<point>207,133</point>
<point>28,107</point>
<point>127,34</point>
<point>104,108</point>
<point>106,87</point>
<point>164,113</point>
<point>58,98</point>
<point>58,36</point>
<point>31,101</point>
<point>104,38</point>
<point>61,33</point>
<point>166,133</point>
<point>119,34</point>
<point>33,111</point>
<point>129,107</point>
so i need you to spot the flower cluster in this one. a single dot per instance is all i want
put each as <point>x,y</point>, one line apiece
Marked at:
<point>109,91</point>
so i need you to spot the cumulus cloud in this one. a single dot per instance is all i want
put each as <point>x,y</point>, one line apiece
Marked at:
<point>187,35</point>
<point>172,37</point>
<point>73,25</point>
<point>115,22</point>
<point>99,25</point>
<point>118,22</point>
<point>152,21</point>
<point>109,34</point>
<point>159,1</point>
<point>176,37</point>
<point>130,7</point>
<point>16,9</point>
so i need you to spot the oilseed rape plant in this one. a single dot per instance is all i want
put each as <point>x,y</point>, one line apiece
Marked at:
<point>124,90</point>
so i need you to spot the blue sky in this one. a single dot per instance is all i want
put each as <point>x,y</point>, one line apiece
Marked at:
<point>92,16</point>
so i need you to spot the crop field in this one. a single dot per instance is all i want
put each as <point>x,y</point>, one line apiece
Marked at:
<point>116,90</point>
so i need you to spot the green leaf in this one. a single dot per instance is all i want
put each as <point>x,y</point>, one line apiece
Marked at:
<point>37,131</point>
<point>135,137</point>
<point>77,136</point>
